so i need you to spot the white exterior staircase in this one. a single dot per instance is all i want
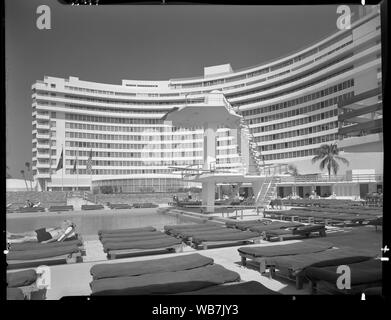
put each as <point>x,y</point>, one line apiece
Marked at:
<point>268,188</point>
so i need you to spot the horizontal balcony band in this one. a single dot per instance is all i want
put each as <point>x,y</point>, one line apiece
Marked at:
<point>365,110</point>
<point>366,126</point>
<point>362,96</point>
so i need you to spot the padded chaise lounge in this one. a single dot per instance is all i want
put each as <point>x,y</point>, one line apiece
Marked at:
<point>136,268</point>
<point>165,282</point>
<point>223,239</point>
<point>365,274</point>
<point>293,267</point>
<point>178,229</point>
<point>142,247</point>
<point>243,225</point>
<point>275,225</point>
<point>15,294</point>
<point>44,256</point>
<point>133,237</point>
<point>259,254</point>
<point>295,232</point>
<point>188,234</point>
<point>127,230</point>
<point>36,245</point>
<point>25,280</point>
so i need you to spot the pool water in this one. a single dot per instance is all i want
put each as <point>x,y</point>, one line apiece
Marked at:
<point>88,223</point>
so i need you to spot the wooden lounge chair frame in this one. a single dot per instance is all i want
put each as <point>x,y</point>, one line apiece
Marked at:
<point>282,237</point>
<point>68,258</point>
<point>206,244</point>
<point>113,254</point>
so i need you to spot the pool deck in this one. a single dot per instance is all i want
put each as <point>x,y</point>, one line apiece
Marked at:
<point>74,279</point>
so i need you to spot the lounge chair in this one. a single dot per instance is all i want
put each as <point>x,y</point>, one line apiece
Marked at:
<point>293,267</point>
<point>145,205</point>
<point>243,288</point>
<point>136,268</point>
<point>128,230</point>
<point>243,225</point>
<point>37,245</point>
<point>15,294</point>
<point>207,227</point>
<point>133,237</point>
<point>26,281</point>
<point>206,240</point>
<point>165,282</point>
<point>43,256</point>
<point>189,234</point>
<point>142,247</point>
<point>60,208</point>
<point>120,206</point>
<point>294,233</point>
<point>365,274</point>
<point>259,254</point>
<point>274,226</point>
<point>92,207</point>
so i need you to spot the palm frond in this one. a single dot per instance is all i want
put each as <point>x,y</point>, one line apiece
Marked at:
<point>342,159</point>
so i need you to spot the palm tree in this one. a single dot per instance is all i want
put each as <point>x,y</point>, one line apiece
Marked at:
<point>328,155</point>
<point>293,171</point>
<point>24,177</point>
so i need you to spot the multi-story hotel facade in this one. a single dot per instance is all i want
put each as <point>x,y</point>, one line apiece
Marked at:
<point>293,105</point>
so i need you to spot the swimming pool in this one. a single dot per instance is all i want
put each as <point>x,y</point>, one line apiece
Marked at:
<point>89,222</point>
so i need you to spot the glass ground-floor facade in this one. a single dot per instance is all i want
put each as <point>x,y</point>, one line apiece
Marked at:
<point>143,185</point>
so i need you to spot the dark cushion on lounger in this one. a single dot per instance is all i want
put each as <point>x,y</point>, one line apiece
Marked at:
<point>191,226</point>
<point>133,238</point>
<point>128,230</point>
<point>242,225</point>
<point>308,246</point>
<point>141,234</point>
<point>42,253</point>
<point>126,269</point>
<point>188,233</point>
<point>143,244</point>
<point>21,278</point>
<point>35,245</point>
<point>234,236</point>
<point>365,272</point>
<point>244,288</point>
<point>331,257</point>
<point>165,282</point>
<point>274,226</point>
<point>303,230</point>
<point>15,294</point>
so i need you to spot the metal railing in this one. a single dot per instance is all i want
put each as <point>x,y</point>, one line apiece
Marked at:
<point>338,178</point>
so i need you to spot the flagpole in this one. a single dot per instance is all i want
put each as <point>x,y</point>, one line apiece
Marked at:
<point>77,169</point>
<point>91,171</point>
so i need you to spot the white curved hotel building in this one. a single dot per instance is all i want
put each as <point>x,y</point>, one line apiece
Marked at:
<point>292,105</point>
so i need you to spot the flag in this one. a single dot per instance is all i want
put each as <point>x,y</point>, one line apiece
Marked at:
<point>74,164</point>
<point>60,164</point>
<point>89,163</point>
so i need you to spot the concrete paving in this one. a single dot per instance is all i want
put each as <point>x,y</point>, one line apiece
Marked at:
<point>74,279</point>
